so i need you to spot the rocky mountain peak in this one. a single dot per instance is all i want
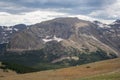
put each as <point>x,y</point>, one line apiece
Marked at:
<point>97,22</point>
<point>100,24</point>
<point>117,21</point>
<point>6,32</point>
<point>116,24</point>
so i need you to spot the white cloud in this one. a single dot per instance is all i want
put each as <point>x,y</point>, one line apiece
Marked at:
<point>109,11</point>
<point>29,18</point>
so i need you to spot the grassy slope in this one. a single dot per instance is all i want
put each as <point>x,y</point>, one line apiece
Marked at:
<point>107,76</point>
<point>7,72</point>
<point>74,73</point>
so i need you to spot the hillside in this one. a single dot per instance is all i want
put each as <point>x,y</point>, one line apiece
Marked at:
<point>5,72</point>
<point>6,32</point>
<point>107,76</point>
<point>82,72</point>
<point>65,34</point>
<point>61,41</point>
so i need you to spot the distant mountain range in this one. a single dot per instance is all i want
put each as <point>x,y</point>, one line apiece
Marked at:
<point>6,32</point>
<point>68,41</point>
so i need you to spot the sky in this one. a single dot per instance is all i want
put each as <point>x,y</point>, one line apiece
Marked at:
<point>34,11</point>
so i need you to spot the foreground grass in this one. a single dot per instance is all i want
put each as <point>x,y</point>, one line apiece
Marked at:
<point>76,73</point>
<point>107,76</point>
<point>6,72</point>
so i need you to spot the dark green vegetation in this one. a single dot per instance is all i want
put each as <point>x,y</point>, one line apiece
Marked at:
<point>3,48</point>
<point>38,60</point>
<point>102,70</point>
<point>17,68</point>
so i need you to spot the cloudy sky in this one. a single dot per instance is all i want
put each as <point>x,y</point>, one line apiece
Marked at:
<point>34,11</point>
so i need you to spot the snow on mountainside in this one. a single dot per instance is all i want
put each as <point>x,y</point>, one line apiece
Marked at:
<point>47,39</point>
<point>70,32</point>
<point>101,25</point>
<point>6,32</point>
<point>60,30</point>
<point>116,22</point>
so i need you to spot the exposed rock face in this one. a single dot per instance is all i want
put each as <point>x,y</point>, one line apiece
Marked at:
<point>69,33</point>
<point>38,34</point>
<point>110,35</point>
<point>7,32</point>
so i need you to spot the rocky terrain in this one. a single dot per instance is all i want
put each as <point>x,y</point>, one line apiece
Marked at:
<point>6,32</point>
<point>69,32</point>
<point>63,41</point>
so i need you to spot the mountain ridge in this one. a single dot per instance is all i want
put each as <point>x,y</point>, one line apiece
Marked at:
<point>60,28</point>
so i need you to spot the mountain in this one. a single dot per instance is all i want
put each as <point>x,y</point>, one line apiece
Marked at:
<point>6,32</point>
<point>110,34</point>
<point>65,32</point>
<point>103,70</point>
<point>62,42</point>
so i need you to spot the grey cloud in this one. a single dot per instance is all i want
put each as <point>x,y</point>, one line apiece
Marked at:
<point>66,6</point>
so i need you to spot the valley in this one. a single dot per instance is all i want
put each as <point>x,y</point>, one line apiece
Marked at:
<point>108,69</point>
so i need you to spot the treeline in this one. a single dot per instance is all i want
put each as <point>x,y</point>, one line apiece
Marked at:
<point>3,48</point>
<point>88,57</point>
<point>17,68</point>
<point>38,60</point>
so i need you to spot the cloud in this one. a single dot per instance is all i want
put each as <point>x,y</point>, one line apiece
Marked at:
<point>109,12</point>
<point>35,11</point>
<point>28,18</point>
<point>8,19</point>
<point>68,6</point>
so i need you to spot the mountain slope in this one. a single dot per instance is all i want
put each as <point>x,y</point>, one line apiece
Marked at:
<point>110,34</point>
<point>115,75</point>
<point>5,72</point>
<point>61,41</point>
<point>74,73</point>
<point>70,32</point>
<point>6,32</point>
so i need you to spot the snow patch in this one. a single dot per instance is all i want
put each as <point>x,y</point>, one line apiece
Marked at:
<point>75,58</point>
<point>15,29</point>
<point>66,58</point>
<point>8,28</point>
<point>47,36</point>
<point>116,22</point>
<point>47,40</point>
<point>53,39</point>
<point>103,25</point>
<point>57,39</point>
